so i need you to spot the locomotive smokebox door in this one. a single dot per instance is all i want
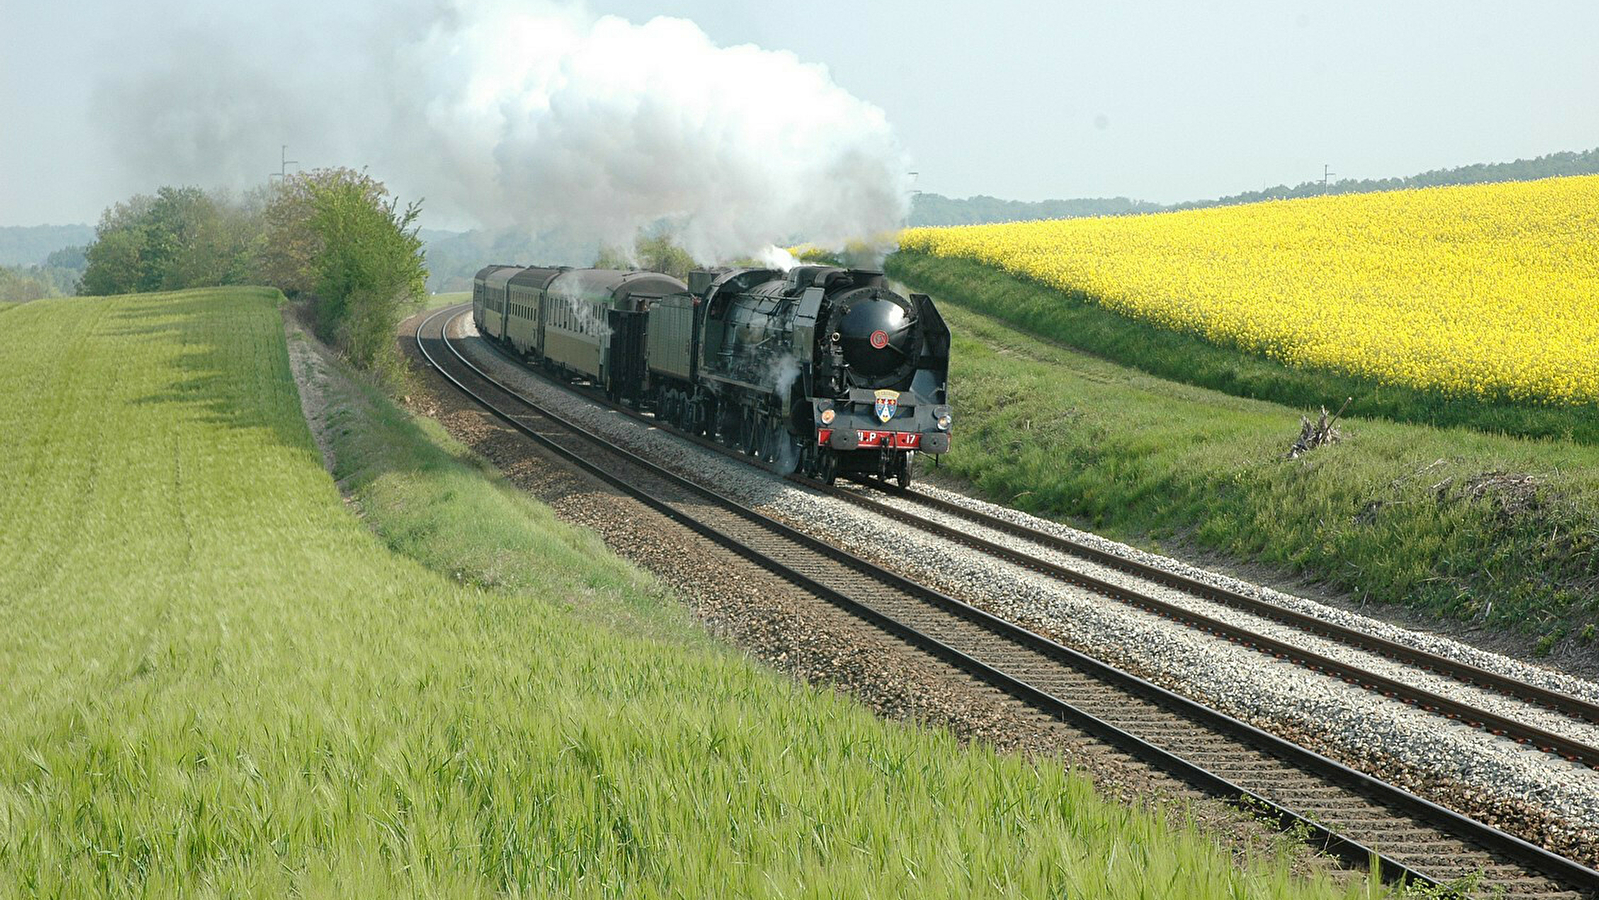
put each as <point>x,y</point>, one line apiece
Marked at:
<point>625,365</point>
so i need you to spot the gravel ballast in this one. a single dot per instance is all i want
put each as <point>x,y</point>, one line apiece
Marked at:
<point>1482,698</point>
<point>1526,791</point>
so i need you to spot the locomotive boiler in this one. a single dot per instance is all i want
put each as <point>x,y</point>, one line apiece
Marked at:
<point>825,370</point>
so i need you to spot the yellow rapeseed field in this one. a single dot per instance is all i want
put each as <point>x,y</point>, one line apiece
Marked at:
<point>1485,290</point>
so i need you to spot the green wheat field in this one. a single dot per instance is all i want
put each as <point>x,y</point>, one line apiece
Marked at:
<point>221,679</point>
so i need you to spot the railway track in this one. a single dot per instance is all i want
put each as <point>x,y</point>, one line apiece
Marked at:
<point>1498,724</point>
<point>1465,673</point>
<point>1508,726</point>
<point>1344,811</point>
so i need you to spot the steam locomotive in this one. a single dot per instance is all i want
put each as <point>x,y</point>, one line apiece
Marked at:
<point>822,370</point>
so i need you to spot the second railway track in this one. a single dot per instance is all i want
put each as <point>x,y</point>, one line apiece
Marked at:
<point>1574,708</point>
<point>1349,812</point>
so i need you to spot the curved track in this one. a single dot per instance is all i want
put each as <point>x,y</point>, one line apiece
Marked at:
<point>1344,811</point>
<point>1575,708</point>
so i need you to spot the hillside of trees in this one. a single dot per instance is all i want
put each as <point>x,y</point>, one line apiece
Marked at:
<point>935,209</point>
<point>1553,165</point>
<point>455,256</point>
<point>56,277</point>
<point>29,245</point>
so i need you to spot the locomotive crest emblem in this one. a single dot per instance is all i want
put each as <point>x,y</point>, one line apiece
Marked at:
<point>887,402</point>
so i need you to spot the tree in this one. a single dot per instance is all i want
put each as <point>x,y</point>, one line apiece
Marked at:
<point>290,243</point>
<point>115,258</point>
<point>178,238</point>
<point>659,254</point>
<point>333,235</point>
<point>612,258</point>
<point>175,254</point>
<point>654,253</point>
<point>362,258</point>
<point>67,258</point>
<point>19,285</point>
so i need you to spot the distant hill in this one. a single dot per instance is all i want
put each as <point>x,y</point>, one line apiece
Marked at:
<point>935,209</point>
<point>28,245</point>
<point>453,257</point>
<point>1553,165</point>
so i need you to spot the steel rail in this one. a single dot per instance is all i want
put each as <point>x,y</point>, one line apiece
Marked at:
<point>1542,739</point>
<point>1506,845</point>
<point>1565,704</point>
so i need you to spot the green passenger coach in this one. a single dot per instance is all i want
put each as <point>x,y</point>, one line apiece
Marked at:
<point>569,320</point>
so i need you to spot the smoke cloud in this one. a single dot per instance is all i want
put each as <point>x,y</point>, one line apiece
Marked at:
<point>543,116</point>
<point>774,257</point>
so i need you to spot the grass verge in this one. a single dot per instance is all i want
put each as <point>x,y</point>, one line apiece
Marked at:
<point>1491,529</point>
<point>1075,319</point>
<point>216,682</point>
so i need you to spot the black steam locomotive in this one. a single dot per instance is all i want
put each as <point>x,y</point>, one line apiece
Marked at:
<point>822,370</point>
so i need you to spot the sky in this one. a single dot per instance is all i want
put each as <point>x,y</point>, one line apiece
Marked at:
<point>1020,100</point>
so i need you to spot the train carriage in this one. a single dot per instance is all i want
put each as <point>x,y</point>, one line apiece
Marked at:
<point>587,311</point>
<point>489,302</point>
<point>524,326</point>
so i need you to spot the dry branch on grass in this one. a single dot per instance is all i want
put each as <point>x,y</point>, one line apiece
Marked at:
<point>1315,434</point>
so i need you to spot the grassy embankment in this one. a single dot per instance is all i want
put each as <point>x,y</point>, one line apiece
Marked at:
<point>215,681</point>
<point>1397,512</point>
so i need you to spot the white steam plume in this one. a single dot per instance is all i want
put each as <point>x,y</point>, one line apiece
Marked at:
<point>534,114</point>
<point>774,257</point>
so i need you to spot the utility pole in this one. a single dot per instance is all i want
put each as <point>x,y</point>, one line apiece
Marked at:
<point>283,164</point>
<point>1325,174</point>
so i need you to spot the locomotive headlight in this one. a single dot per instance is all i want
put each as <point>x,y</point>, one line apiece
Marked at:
<point>943,423</point>
<point>828,415</point>
<point>942,413</point>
